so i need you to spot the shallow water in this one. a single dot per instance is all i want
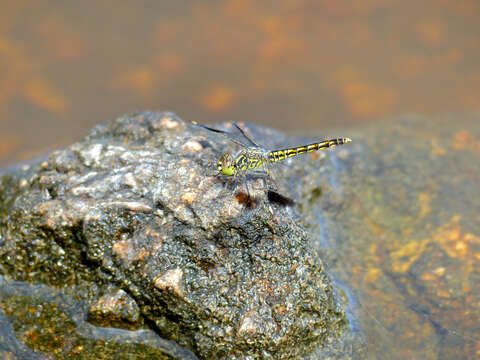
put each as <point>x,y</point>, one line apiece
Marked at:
<point>293,65</point>
<point>399,229</point>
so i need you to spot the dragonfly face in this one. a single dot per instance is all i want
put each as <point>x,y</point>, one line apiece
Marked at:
<point>226,165</point>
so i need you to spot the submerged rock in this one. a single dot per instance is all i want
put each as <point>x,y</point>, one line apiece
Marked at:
<point>136,205</point>
<point>397,218</point>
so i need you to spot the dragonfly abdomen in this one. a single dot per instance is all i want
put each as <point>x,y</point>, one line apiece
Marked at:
<point>277,155</point>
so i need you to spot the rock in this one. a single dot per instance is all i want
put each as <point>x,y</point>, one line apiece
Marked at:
<point>137,205</point>
<point>40,322</point>
<point>115,308</point>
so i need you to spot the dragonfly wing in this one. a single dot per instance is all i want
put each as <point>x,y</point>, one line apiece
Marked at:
<point>226,134</point>
<point>249,139</point>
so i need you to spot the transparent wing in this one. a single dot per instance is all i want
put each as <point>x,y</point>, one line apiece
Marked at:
<point>250,141</point>
<point>247,141</point>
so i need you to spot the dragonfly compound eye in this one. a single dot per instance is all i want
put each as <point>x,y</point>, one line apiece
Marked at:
<point>225,165</point>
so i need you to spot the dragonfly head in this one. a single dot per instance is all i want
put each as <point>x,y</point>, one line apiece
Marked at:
<point>226,166</point>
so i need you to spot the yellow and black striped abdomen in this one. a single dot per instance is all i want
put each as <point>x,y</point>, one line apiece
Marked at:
<point>277,155</point>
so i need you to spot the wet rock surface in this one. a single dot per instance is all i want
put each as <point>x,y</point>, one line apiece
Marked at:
<point>397,218</point>
<point>136,205</point>
<point>115,308</point>
<point>40,322</point>
<point>136,208</point>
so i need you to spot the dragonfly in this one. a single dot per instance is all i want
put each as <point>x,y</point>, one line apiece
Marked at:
<point>254,159</point>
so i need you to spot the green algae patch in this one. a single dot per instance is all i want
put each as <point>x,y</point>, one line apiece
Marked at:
<point>46,329</point>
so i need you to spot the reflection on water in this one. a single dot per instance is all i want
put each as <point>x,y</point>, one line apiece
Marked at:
<point>290,64</point>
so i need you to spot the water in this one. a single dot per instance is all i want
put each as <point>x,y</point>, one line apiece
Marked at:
<point>288,64</point>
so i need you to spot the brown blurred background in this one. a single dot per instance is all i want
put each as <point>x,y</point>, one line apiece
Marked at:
<point>292,64</point>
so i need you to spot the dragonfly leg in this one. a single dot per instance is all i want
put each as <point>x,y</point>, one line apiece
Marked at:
<point>275,185</point>
<point>265,176</point>
<point>235,180</point>
<point>246,186</point>
<point>270,176</point>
